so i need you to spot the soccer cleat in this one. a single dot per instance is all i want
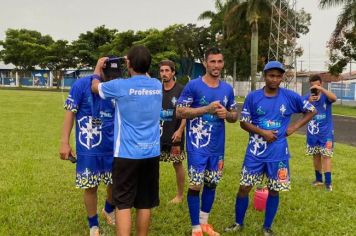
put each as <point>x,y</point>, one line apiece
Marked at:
<point>317,183</point>
<point>94,231</point>
<point>267,232</point>
<point>208,229</point>
<point>197,233</point>
<point>234,228</point>
<point>329,188</point>
<point>109,217</point>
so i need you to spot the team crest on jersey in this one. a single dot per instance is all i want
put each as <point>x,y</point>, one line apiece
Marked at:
<point>90,135</point>
<point>282,173</point>
<point>225,101</point>
<point>258,145</point>
<point>199,132</point>
<point>203,102</point>
<point>174,101</point>
<point>282,109</point>
<point>313,127</point>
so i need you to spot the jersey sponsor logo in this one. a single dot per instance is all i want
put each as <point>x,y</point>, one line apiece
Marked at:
<point>271,124</point>
<point>90,135</point>
<point>321,116</point>
<point>105,114</point>
<point>258,145</point>
<point>199,132</point>
<point>144,92</point>
<point>313,127</point>
<point>259,111</point>
<point>203,102</point>
<point>167,115</point>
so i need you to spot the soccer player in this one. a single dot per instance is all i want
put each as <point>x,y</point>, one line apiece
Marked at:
<point>206,102</point>
<point>320,132</point>
<point>172,129</point>
<point>265,116</point>
<point>94,120</point>
<point>138,103</point>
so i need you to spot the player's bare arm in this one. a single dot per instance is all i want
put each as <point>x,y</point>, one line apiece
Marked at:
<point>307,116</point>
<point>190,113</point>
<point>229,116</point>
<point>98,71</point>
<point>269,135</point>
<point>65,149</point>
<point>177,136</point>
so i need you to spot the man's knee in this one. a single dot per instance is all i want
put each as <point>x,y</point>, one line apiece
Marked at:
<point>91,190</point>
<point>244,190</point>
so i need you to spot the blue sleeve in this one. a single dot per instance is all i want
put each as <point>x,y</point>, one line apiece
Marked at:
<point>74,98</point>
<point>186,98</point>
<point>231,104</point>
<point>300,105</point>
<point>111,89</point>
<point>246,109</point>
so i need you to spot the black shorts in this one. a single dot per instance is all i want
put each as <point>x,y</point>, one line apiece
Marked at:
<point>135,183</point>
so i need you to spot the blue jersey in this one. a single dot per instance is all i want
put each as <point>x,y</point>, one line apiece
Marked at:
<point>138,102</point>
<point>321,126</point>
<point>94,119</point>
<point>271,113</point>
<point>206,134</point>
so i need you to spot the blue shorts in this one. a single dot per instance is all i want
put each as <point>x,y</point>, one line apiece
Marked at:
<point>204,169</point>
<point>277,174</point>
<point>91,170</point>
<point>323,146</point>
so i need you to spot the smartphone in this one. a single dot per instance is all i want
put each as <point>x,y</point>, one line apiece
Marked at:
<point>72,159</point>
<point>314,92</point>
<point>114,67</point>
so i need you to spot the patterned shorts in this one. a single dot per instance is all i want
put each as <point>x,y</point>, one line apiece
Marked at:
<point>322,150</point>
<point>169,157</point>
<point>91,170</point>
<point>204,169</point>
<point>323,146</point>
<point>277,174</point>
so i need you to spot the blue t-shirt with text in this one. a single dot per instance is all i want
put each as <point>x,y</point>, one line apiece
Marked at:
<point>138,102</point>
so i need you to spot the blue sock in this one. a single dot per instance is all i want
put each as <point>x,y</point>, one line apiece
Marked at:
<point>109,207</point>
<point>194,206</point>
<point>327,176</point>
<point>318,176</point>
<point>271,210</point>
<point>93,221</point>
<point>241,205</point>
<point>207,199</point>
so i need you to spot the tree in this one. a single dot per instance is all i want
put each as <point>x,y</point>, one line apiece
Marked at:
<point>91,45</point>
<point>250,10</point>
<point>24,48</point>
<point>59,57</point>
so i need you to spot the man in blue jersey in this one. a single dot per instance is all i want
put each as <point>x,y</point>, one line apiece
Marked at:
<point>206,102</point>
<point>94,121</point>
<point>138,103</point>
<point>266,115</point>
<point>320,132</point>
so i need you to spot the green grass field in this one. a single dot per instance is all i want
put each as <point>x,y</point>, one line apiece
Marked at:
<point>38,197</point>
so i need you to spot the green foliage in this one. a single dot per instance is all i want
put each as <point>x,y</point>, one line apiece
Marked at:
<point>38,196</point>
<point>24,48</point>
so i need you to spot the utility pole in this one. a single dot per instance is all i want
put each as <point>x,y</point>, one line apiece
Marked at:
<point>301,65</point>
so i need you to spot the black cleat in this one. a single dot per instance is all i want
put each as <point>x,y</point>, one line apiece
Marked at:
<point>267,232</point>
<point>234,228</point>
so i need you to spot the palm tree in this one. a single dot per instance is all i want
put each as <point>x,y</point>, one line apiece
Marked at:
<point>347,17</point>
<point>250,11</point>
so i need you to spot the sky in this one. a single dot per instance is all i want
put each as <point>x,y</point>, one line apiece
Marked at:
<point>66,19</point>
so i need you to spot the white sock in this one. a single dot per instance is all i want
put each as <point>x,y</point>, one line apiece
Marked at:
<point>203,217</point>
<point>196,228</point>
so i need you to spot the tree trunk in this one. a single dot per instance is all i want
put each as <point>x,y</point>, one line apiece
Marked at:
<point>254,53</point>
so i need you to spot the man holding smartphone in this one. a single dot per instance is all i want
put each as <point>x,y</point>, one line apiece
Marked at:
<point>94,120</point>
<point>320,132</point>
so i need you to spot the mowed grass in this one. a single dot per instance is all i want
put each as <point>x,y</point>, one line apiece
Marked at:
<point>38,197</point>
